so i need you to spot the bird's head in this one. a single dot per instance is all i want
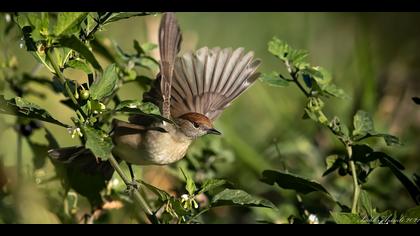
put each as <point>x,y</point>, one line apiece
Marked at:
<point>195,125</point>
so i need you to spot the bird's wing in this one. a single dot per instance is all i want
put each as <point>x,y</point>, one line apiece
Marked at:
<point>208,80</point>
<point>169,45</point>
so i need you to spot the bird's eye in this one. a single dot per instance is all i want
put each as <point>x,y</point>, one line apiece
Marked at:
<point>196,125</point>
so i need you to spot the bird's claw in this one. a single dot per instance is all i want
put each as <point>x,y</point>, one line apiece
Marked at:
<point>133,185</point>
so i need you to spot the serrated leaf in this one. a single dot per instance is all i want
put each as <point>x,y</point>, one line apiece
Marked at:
<point>106,85</point>
<point>347,218</point>
<point>74,43</point>
<point>332,90</point>
<point>22,108</point>
<point>211,184</point>
<point>292,181</point>
<point>98,142</point>
<point>278,48</point>
<point>363,123</point>
<point>69,22</point>
<point>273,79</point>
<point>239,198</point>
<point>79,65</point>
<point>297,57</point>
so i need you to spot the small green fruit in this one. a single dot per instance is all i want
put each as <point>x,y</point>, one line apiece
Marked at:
<point>84,94</point>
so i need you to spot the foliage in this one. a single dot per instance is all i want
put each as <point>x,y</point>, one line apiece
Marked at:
<point>360,160</point>
<point>220,180</point>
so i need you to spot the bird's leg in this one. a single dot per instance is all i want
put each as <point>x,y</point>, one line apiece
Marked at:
<point>133,183</point>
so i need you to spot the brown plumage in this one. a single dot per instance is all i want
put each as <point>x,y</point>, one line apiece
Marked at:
<point>192,90</point>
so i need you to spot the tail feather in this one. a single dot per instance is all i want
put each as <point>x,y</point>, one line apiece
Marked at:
<point>82,159</point>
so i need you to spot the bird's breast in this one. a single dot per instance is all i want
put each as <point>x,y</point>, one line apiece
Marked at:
<point>152,147</point>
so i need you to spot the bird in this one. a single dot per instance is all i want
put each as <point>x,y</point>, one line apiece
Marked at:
<point>191,90</point>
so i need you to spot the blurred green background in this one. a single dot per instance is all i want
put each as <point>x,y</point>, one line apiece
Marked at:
<point>374,57</point>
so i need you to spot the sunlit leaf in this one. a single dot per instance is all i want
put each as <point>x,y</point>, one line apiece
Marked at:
<point>98,142</point>
<point>105,85</point>
<point>68,22</point>
<point>79,65</point>
<point>74,43</point>
<point>273,79</point>
<point>20,107</point>
<point>124,15</point>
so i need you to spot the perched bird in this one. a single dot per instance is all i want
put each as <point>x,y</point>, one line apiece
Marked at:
<point>191,90</point>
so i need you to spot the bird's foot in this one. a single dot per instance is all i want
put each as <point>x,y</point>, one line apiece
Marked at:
<point>133,185</point>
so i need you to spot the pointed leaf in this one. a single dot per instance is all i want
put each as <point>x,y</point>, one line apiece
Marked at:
<point>363,123</point>
<point>74,43</point>
<point>347,218</point>
<point>239,198</point>
<point>211,184</point>
<point>98,142</point>
<point>291,181</point>
<point>273,79</point>
<point>20,107</point>
<point>69,22</point>
<point>104,86</point>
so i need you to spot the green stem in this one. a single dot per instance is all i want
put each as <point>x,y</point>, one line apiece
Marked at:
<point>19,158</point>
<point>55,65</point>
<point>356,188</point>
<point>135,194</point>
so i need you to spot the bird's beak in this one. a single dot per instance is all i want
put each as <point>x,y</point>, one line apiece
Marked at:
<point>213,131</point>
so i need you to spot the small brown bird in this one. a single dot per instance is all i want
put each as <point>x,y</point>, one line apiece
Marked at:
<point>191,90</point>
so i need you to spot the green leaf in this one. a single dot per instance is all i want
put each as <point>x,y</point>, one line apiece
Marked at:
<point>211,184</point>
<point>124,15</point>
<point>291,181</point>
<point>40,22</point>
<point>69,22</point>
<point>239,198</point>
<point>74,43</point>
<point>347,218</point>
<point>106,85</point>
<point>20,107</point>
<point>274,79</point>
<point>333,162</point>
<point>163,196</point>
<point>143,48</point>
<point>411,216</point>
<point>128,104</point>
<point>98,142</point>
<point>190,187</point>
<point>363,124</point>
<point>411,187</point>
<point>366,203</point>
<point>332,90</point>
<point>278,48</point>
<point>79,65</point>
